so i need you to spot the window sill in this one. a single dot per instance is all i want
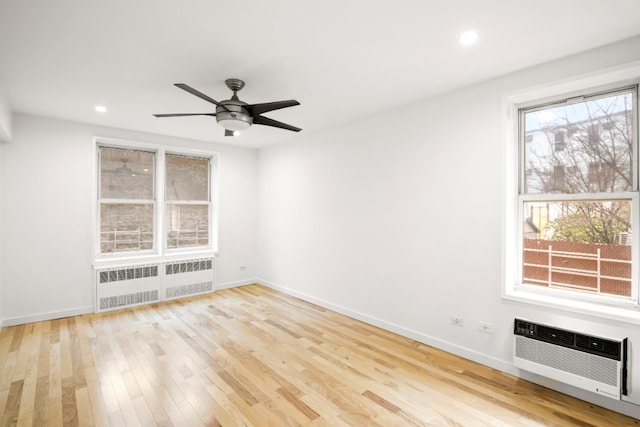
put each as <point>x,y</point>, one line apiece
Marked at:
<point>130,260</point>
<point>627,312</point>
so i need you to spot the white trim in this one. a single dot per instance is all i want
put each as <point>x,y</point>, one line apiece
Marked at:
<point>151,259</point>
<point>51,315</point>
<point>214,232</point>
<point>229,285</point>
<point>606,308</point>
<point>555,197</point>
<point>609,308</point>
<point>610,77</point>
<point>152,146</point>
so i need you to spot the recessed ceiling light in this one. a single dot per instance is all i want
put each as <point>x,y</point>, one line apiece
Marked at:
<point>100,109</point>
<point>468,38</point>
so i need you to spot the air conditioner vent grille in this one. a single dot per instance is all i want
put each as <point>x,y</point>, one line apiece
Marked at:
<point>597,345</point>
<point>556,336</point>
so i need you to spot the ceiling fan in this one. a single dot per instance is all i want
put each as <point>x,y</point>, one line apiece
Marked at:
<point>235,115</point>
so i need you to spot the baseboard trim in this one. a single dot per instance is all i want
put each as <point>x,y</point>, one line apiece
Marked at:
<point>229,285</point>
<point>21,320</point>
<point>458,350</point>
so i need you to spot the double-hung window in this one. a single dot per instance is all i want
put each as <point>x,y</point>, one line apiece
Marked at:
<point>577,202</point>
<point>152,201</point>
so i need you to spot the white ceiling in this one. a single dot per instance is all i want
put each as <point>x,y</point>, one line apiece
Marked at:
<point>343,60</point>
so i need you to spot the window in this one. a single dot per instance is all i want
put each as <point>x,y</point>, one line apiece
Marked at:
<point>187,198</point>
<point>152,202</point>
<point>577,206</point>
<point>558,141</point>
<point>126,200</point>
<point>557,182</point>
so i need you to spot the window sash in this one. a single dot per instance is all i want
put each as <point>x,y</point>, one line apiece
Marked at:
<point>125,240</point>
<point>191,233</point>
<point>206,161</point>
<point>124,165</point>
<point>523,138</point>
<point>588,263</point>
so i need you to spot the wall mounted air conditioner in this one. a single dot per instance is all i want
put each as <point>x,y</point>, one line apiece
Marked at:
<point>584,361</point>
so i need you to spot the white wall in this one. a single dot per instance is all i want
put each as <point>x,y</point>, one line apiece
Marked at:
<point>398,220</point>
<point>5,118</point>
<point>5,136</point>
<point>1,198</point>
<point>47,197</point>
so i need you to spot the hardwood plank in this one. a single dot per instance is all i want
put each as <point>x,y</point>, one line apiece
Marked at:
<point>42,393</point>
<point>69,405</point>
<point>251,356</point>
<point>305,409</point>
<point>12,407</point>
<point>83,407</point>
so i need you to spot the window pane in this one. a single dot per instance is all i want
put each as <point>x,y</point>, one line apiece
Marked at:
<point>582,147</point>
<point>187,225</point>
<point>126,227</point>
<point>187,178</point>
<point>578,245</point>
<point>126,174</point>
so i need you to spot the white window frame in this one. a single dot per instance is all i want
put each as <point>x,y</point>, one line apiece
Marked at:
<point>97,232</point>
<point>512,289</point>
<point>188,249</point>
<point>160,250</point>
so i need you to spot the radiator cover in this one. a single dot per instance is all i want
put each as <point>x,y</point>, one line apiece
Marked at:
<point>131,285</point>
<point>584,361</point>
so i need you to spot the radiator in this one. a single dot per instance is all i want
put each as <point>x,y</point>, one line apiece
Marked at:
<point>128,286</point>
<point>190,277</point>
<point>584,361</point>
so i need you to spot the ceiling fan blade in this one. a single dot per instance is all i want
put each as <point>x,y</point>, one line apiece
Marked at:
<point>255,109</point>
<point>259,120</point>
<point>199,94</point>
<point>228,132</point>
<point>184,114</point>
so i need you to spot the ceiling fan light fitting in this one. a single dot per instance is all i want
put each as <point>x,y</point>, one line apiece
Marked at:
<point>234,121</point>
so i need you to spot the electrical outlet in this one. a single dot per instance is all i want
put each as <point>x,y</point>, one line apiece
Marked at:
<point>457,321</point>
<point>485,327</point>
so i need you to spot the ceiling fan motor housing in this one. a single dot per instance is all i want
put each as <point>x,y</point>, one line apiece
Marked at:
<point>234,117</point>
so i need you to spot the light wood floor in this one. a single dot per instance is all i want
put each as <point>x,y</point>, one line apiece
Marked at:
<point>254,357</point>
